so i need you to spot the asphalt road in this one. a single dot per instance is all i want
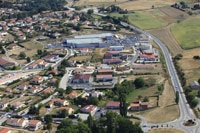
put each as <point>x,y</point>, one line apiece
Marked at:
<point>185,111</point>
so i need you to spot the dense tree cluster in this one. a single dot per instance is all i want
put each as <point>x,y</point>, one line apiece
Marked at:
<point>31,7</point>
<point>111,123</point>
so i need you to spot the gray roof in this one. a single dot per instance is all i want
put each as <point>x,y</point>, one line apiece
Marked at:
<point>102,35</point>
<point>193,83</point>
<point>83,40</point>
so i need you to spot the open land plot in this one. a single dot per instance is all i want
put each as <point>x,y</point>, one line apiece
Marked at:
<point>98,2</point>
<point>145,4</point>
<point>145,91</point>
<point>190,66</point>
<point>82,58</point>
<point>143,19</point>
<point>165,130</point>
<point>165,35</point>
<point>30,49</point>
<point>187,33</point>
<point>168,109</point>
<point>173,15</point>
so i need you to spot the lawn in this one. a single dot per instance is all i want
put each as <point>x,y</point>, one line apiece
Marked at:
<point>143,19</point>
<point>187,33</point>
<point>168,109</point>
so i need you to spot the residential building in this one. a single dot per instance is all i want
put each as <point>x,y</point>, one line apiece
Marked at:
<point>105,71</point>
<point>84,50</point>
<point>116,48</point>
<point>113,105</point>
<point>104,78</point>
<point>111,61</point>
<point>81,79</point>
<point>138,106</point>
<point>57,102</point>
<point>194,85</point>
<point>51,58</point>
<point>37,79</point>
<point>123,68</point>
<point>68,110</point>
<point>12,46</point>
<point>35,89</point>
<point>24,86</point>
<point>17,122</point>
<point>4,62</point>
<point>73,95</point>
<point>5,130</point>
<point>4,104</point>
<point>34,125</point>
<point>17,105</point>
<point>145,57</point>
<point>89,109</point>
<point>78,71</point>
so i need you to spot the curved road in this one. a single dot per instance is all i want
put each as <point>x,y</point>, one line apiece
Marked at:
<point>185,111</point>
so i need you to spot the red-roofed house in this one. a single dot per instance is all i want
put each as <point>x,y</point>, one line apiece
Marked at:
<point>138,106</point>
<point>105,71</point>
<point>73,94</point>
<point>51,58</point>
<point>113,105</point>
<point>24,86</point>
<point>5,130</point>
<point>78,71</point>
<point>145,57</point>
<point>8,89</point>
<point>68,110</point>
<point>57,102</point>
<point>35,89</point>
<point>37,79</point>
<point>4,62</point>
<point>89,109</point>
<point>104,78</point>
<point>34,125</point>
<point>17,122</point>
<point>81,79</point>
<point>48,90</point>
<point>111,61</point>
<point>84,50</point>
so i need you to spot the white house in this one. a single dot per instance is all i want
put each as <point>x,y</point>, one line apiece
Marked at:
<point>34,125</point>
<point>17,122</point>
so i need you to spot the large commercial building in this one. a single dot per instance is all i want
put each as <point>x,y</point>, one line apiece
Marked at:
<point>87,41</point>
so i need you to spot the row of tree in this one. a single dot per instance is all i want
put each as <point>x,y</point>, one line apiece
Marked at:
<point>110,123</point>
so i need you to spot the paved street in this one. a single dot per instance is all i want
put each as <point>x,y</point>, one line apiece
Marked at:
<point>185,111</point>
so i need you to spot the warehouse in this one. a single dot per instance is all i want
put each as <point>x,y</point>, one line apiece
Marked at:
<point>87,41</point>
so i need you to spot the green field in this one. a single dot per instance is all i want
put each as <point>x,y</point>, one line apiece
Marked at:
<point>187,33</point>
<point>143,20</point>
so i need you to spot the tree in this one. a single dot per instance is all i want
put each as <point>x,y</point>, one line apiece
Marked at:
<point>49,126</point>
<point>90,11</point>
<point>126,126</point>
<point>28,59</point>
<point>123,105</point>
<point>90,121</point>
<point>22,55</point>
<point>48,119</point>
<point>177,97</point>
<point>83,128</point>
<point>111,121</point>
<point>194,103</point>
<point>65,123</point>
<point>62,113</point>
<point>139,82</point>
<point>146,99</point>
<point>69,89</point>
